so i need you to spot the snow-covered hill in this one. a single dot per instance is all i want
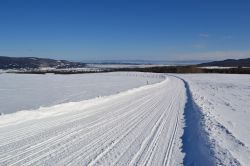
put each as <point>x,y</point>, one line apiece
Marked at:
<point>35,63</point>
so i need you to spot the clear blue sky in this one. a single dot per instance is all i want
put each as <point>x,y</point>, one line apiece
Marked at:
<point>125,29</point>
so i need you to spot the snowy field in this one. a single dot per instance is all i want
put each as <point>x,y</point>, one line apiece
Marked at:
<point>224,101</point>
<point>182,119</point>
<point>138,127</point>
<point>31,91</point>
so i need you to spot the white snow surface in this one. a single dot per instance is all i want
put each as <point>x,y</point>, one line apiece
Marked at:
<point>142,126</point>
<point>184,119</point>
<point>31,91</point>
<point>224,104</point>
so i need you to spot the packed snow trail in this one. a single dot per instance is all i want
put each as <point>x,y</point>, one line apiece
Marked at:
<point>139,127</point>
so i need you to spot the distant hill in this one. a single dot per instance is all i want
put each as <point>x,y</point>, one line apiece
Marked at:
<point>229,63</point>
<point>32,63</point>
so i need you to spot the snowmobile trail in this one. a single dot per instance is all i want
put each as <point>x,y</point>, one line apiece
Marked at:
<point>139,127</point>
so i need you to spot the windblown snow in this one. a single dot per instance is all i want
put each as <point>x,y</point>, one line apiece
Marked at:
<point>196,119</point>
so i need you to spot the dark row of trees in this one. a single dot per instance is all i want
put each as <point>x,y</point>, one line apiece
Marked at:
<point>157,69</point>
<point>188,69</point>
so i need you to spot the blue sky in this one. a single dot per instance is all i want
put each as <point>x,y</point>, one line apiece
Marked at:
<point>125,29</point>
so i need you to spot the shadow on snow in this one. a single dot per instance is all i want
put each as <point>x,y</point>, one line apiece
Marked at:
<point>195,143</point>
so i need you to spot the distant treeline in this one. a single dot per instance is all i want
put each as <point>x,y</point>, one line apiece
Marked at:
<point>156,69</point>
<point>187,69</point>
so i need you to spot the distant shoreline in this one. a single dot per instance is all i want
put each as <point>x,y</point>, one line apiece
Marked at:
<point>148,69</point>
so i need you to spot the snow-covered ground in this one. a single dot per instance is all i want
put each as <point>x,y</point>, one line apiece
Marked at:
<point>138,127</point>
<point>182,119</point>
<point>31,91</point>
<point>224,103</point>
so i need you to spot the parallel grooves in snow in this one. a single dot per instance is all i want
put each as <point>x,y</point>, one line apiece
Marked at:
<point>136,128</point>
